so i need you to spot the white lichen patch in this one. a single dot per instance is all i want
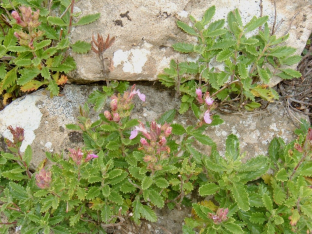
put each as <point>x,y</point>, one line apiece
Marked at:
<point>29,118</point>
<point>132,60</point>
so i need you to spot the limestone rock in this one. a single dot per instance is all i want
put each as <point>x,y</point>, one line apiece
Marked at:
<point>44,120</point>
<point>145,30</point>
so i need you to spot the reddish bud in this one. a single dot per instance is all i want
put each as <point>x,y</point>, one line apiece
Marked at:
<point>162,141</point>
<point>147,158</point>
<point>144,142</point>
<point>114,104</point>
<point>116,117</point>
<point>199,96</point>
<point>90,156</point>
<point>108,115</point>
<point>76,155</point>
<point>168,131</point>
<point>43,179</point>
<point>298,147</point>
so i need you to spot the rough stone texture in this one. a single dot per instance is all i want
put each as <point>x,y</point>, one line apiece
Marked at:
<point>145,31</point>
<point>44,121</point>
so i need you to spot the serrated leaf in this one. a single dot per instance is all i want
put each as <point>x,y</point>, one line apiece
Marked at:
<point>73,127</point>
<point>48,31</point>
<point>209,13</point>
<point>167,117</point>
<point>255,23</point>
<point>53,88</point>
<point>27,156</point>
<point>74,219</point>
<point>113,145</point>
<point>242,70</point>
<point>199,211</point>
<point>177,129</point>
<point>306,169</point>
<point>240,195</point>
<point>223,44</point>
<point>114,173</point>
<point>183,47</point>
<point>27,75</point>
<point>282,175</point>
<point>291,72</point>
<point>93,192</point>
<point>162,183</point>
<point>23,62</point>
<point>116,197</point>
<point>106,190</point>
<point>279,195</point>
<point>186,28</point>
<point>202,138</point>
<point>282,51</point>
<point>267,202</point>
<point>233,228</point>
<point>18,49</point>
<point>56,21</point>
<point>291,60</point>
<point>264,76</point>
<point>146,182</point>
<point>41,44</point>
<point>81,47</point>
<point>208,189</point>
<point>224,55</point>
<point>252,50</point>
<point>81,193</point>
<point>215,33</point>
<point>10,78</point>
<point>148,213</point>
<point>249,41</point>
<point>118,179</point>
<point>258,218</point>
<point>18,191</point>
<point>88,19</point>
<point>9,39</point>
<point>232,147</point>
<point>218,24</point>
<point>106,213</point>
<point>108,128</point>
<point>45,72</point>
<point>156,199</point>
<point>306,209</point>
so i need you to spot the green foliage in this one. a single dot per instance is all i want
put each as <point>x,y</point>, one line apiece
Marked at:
<point>34,45</point>
<point>247,62</point>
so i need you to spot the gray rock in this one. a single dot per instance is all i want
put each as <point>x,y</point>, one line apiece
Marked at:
<point>146,30</point>
<point>44,120</point>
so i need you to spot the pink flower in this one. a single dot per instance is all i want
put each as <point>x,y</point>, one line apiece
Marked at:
<point>76,155</point>
<point>207,118</point>
<point>113,104</point>
<point>209,101</point>
<point>137,129</point>
<point>133,134</point>
<point>116,117</point>
<point>108,115</point>
<point>43,179</point>
<point>134,92</point>
<point>144,142</point>
<point>18,19</point>
<point>199,94</point>
<point>90,156</point>
<point>168,131</point>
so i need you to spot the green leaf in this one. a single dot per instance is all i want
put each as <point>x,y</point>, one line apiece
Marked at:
<point>167,117</point>
<point>183,47</point>
<point>23,62</point>
<point>148,213</point>
<point>106,190</point>
<point>119,178</point>
<point>232,147</point>
<point>255,23</point>
<point>2,69</point>
<point>251,106</point>
<point>116,197</point>
<point>156,198</point>
<point>49,31</point>
<point>215,33</point>
<point>93,192</point>
<point>282,51</point>
<point>27,155</point>
<point>252,50</point>
<point>240,195</point>
<point>306,209</point>
<point>73,127</point>
<point>108,127</point>
<point>223,44</point>
<point>186,28</point>
<point>147,182</point>
<point>291,72</point>
<point>19,49</point>
<point>267,202</point>
<point>113,145</point>
<point>106,213</point>
<point>162,183</point>
<point>258,218</point>
<point>242,70</point>
<point>81,193</point>
<point>218,24</point>
<point>88,19</point>
<point>10,78</point>
<point>306,169</point>
<point>233,227</point>
<point>202,138</point>
<point>18,191</point>
<point>41,44</point>
<point>224,55</point>
<point>279,195</point>
<point>74,219</point>
<point>208,189</point>
<point>249,41</point>
<point>264,76</point>
<point>177,129</point>
<point>209,13</point>
<point>53,88</point>
<point>114,173</point>
<point>27,75</point>
<point>9,39</point>
<point>282,175</point>
<point>56,21</point>
<point>81,47</point>
<point>291,60</point>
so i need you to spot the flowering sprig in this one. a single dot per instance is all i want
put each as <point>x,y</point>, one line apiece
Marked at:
<point>77,156</point>
<point>220,216</point>
<point>207,101</point>
<point>154,143</point>
<point>43,179</point>
<point>121,106</point>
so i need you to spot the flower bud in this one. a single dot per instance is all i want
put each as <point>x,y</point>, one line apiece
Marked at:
<point>16,35</point>
<point>108,115</point>
<point>158,167</point>
<point>168,131</point>
<point>43,179</point>
<point>116,117</point>
<point>90,156</point>
<point>18,19</point>
<point>199,96</point>
<point>113,104</point>
<point>144,142</point>
<point>209,101</point>
<point>163,141</point>
<point>147,158</point>
<point>207,118</point>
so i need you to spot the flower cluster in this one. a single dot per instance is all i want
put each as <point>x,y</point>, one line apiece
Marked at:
<point>43,179</point>
<point>220,216</point>
<point>29,21</point>
<point>18,137</point>
<point>206,100</point>
<point>121,106</point>
<point>153,143</point>
<point>77,156</point>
